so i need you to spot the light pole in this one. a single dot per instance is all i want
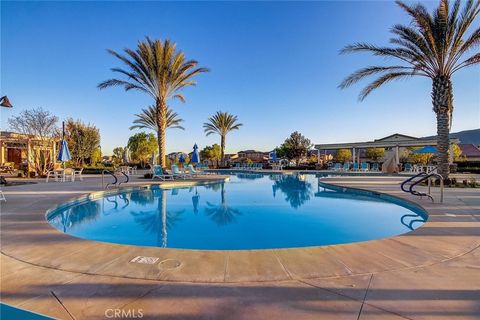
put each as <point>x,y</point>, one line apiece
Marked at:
<point>4,102</point>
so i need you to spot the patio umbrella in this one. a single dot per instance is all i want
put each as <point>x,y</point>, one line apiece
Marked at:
<point>64,153</point>
<point>273,155</point>
<point>153,159</point>
<point>195,155</point>
<point>181,159</point>
<point>125,156</point>
<point>427,149</point>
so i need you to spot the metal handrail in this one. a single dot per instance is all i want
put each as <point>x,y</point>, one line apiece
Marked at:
<point>126,176</point>
<point>103,178</point>
<point>442,187</point>
<point>411,179</point>
<point>427,177</point>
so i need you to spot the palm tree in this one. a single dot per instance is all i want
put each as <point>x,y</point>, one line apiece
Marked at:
<point>158,69</point>
<point>147,119</point>
<point>221,123</point>
<point>432,47</point>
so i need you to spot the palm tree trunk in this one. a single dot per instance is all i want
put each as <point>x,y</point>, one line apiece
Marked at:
<point>442,105</point>
<point>222,147</point>
<point>161,128</point>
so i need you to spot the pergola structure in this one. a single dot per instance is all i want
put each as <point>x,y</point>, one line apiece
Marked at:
<point>392,142</point>
<point>18,149</point>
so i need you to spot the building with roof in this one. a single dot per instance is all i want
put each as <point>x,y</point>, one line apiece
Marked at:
<point>23,151</point>
<point>395,145</point>
<point>470,152</point>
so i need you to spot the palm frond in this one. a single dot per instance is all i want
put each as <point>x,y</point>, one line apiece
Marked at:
<point>381,81</point>
<point>432,46</point>
<point>147,119</point>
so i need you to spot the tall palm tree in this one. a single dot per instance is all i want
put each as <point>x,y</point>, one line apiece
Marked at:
<point>147,119</point>
<point>432,47</point>
<point>158,69</point>
<point>221,123</point>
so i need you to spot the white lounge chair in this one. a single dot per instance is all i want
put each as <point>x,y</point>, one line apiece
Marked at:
<point>68,174</point>
<point>78,172</point>
<point>2,196</point>
<point>158,173</point>
<point>191,170</point>
<point>177,173</point>
<point>52,174</point>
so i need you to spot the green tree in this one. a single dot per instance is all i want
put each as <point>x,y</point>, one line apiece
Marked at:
<point>419,158</point>
<point>375,153</point>
<point>457,153</point>
<point>96,156</point>
<point>83,140</point>
<point>141,146</point>
<point>433,47</point>
<point>147,119</point>
<point>117,155</point>
<point>343,155</point>
<point>212,153</point>
<point>158,69</point>
<point>295,147</point>
<point>221,123</point>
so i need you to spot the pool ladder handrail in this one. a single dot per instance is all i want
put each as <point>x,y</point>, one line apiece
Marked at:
<point>424,176</point>
<point>127,178</point>
<point>111,183</point>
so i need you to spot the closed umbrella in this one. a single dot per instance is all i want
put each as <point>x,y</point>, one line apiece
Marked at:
<point>181,159</point>
<point>64,153</point>
<point>195,155</point>
<point>153,159</point>
<point>125,156</point>
<point>273,155</point>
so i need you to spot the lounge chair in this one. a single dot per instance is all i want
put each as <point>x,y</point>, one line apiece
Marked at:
<point>364,166</point>
<point>158,173</point>
<point>177,173</point>
<point>2,196</point>
<point>355,166</point>
<point>52,174</point>
<point>346,166</point>
<point>191,170</point>
<point>408,167</point>
<point>376,166</point>
<point>68,174</point>
<point>337,167</point>
<point>237,165</point>
<point>260,166</point>
<point>78,172</point>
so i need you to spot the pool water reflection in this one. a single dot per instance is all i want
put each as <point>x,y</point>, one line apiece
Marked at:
<point>251,211</point>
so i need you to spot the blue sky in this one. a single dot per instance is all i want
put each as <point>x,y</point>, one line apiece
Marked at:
<point>274,64</point>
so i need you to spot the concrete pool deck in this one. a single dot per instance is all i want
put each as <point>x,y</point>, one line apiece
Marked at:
<point>430,273</point>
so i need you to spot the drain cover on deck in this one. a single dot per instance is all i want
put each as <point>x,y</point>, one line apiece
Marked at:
<point>169,264</point>
<point>144,260</point>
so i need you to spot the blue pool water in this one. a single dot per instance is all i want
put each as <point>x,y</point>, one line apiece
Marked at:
<point>250,211</point>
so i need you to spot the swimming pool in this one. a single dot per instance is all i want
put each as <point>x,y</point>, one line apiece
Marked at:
<point>250,211</point>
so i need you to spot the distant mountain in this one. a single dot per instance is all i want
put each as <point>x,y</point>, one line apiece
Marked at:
<point>465,137</point>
